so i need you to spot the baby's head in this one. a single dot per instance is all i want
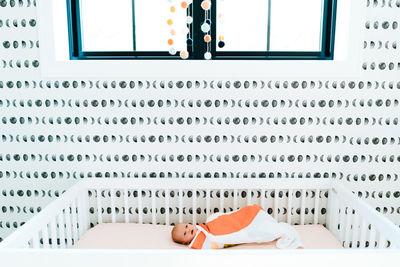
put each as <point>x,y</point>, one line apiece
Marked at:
<point>183,233</point>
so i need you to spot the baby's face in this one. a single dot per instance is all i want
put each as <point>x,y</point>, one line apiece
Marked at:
<point>185,233</point>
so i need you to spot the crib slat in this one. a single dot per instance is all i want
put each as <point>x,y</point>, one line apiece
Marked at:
<point>99,207</point>
<point>355,231</point>
<point>372,237</point>
<point>349,217</point>
<point>45,236</point>
<point>336,216</point>
<point>331,210</point>
<point>68,230</point>
<point>194,206</point>
<point>35,241</point>
<point>126,206</point>
<point>248,197</point>
<point>83,213</point>
<point>262,203</point>
<point>316,206</point>
<point>221,200</point>
<point>140,208</point>
<point>80,216</point>
<point>166,206</point>
<point>61,228</point>
<point>342,221</point>
<point>181,205</point>
<point>382,241</point>
<point>113,217</point>
<point>153,206</point>
<point>289,209</point>
<point>363,233</point>
<point>303,206</point>
<point>276,204</point>
<point>74,222</point>
<point>235,199</point>
<point>208,193</point>
<point>53,230</point>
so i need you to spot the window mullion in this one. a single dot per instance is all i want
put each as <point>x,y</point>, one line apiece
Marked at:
<point>213,27</point>
<point>133,25</point>
<point>269,26</point>
<point>189,47</point>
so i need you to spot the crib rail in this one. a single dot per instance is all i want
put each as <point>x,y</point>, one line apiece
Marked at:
<point>358,225</point>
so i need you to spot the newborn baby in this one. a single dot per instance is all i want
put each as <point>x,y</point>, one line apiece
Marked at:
<point>250,224</point>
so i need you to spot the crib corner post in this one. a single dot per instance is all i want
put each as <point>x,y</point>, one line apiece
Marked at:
<point>83,212</point>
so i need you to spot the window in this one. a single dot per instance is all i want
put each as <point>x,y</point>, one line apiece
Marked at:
<point>201,29</point>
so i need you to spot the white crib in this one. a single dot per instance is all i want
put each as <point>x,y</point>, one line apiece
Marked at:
<point>297,201</point>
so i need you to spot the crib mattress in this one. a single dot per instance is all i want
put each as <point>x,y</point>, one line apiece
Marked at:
<point>147,236</point>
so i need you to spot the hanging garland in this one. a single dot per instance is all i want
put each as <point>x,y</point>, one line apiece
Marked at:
<point>206,27</point>
<point>185,5</point>
<point>221,21</point>
<point>189,20</point>
<point>170,22</point>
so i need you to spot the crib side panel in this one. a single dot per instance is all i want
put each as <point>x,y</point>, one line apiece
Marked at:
<point>59,225</point>
<point>356,224</point>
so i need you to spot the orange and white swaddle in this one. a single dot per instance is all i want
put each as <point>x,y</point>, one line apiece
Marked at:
<point>250,224</point>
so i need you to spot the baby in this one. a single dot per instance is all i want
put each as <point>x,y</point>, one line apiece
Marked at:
<point>249,224</point>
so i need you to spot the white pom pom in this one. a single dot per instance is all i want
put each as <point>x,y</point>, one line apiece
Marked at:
<point>172,51</point>
<point>205,27</point>
<point>189,20</point>
<point>185,30</point>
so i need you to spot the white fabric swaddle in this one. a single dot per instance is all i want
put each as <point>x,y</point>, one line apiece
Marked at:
<point>250,224</point>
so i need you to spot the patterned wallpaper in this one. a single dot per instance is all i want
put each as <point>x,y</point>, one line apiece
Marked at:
<point>55,132</point>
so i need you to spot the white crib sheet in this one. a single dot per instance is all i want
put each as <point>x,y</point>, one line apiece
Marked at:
<point>147,236</point>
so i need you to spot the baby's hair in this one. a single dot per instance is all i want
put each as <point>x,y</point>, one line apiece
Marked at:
<point>173,234</point>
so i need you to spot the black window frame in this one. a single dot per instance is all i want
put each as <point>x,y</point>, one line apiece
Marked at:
<point>199,47</point>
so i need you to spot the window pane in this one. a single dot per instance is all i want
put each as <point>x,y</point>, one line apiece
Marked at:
<point>152,30</point>
<point>106,25</point>
<point>296,25</point>
<point>109,26</point>
<point>244,26</point>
